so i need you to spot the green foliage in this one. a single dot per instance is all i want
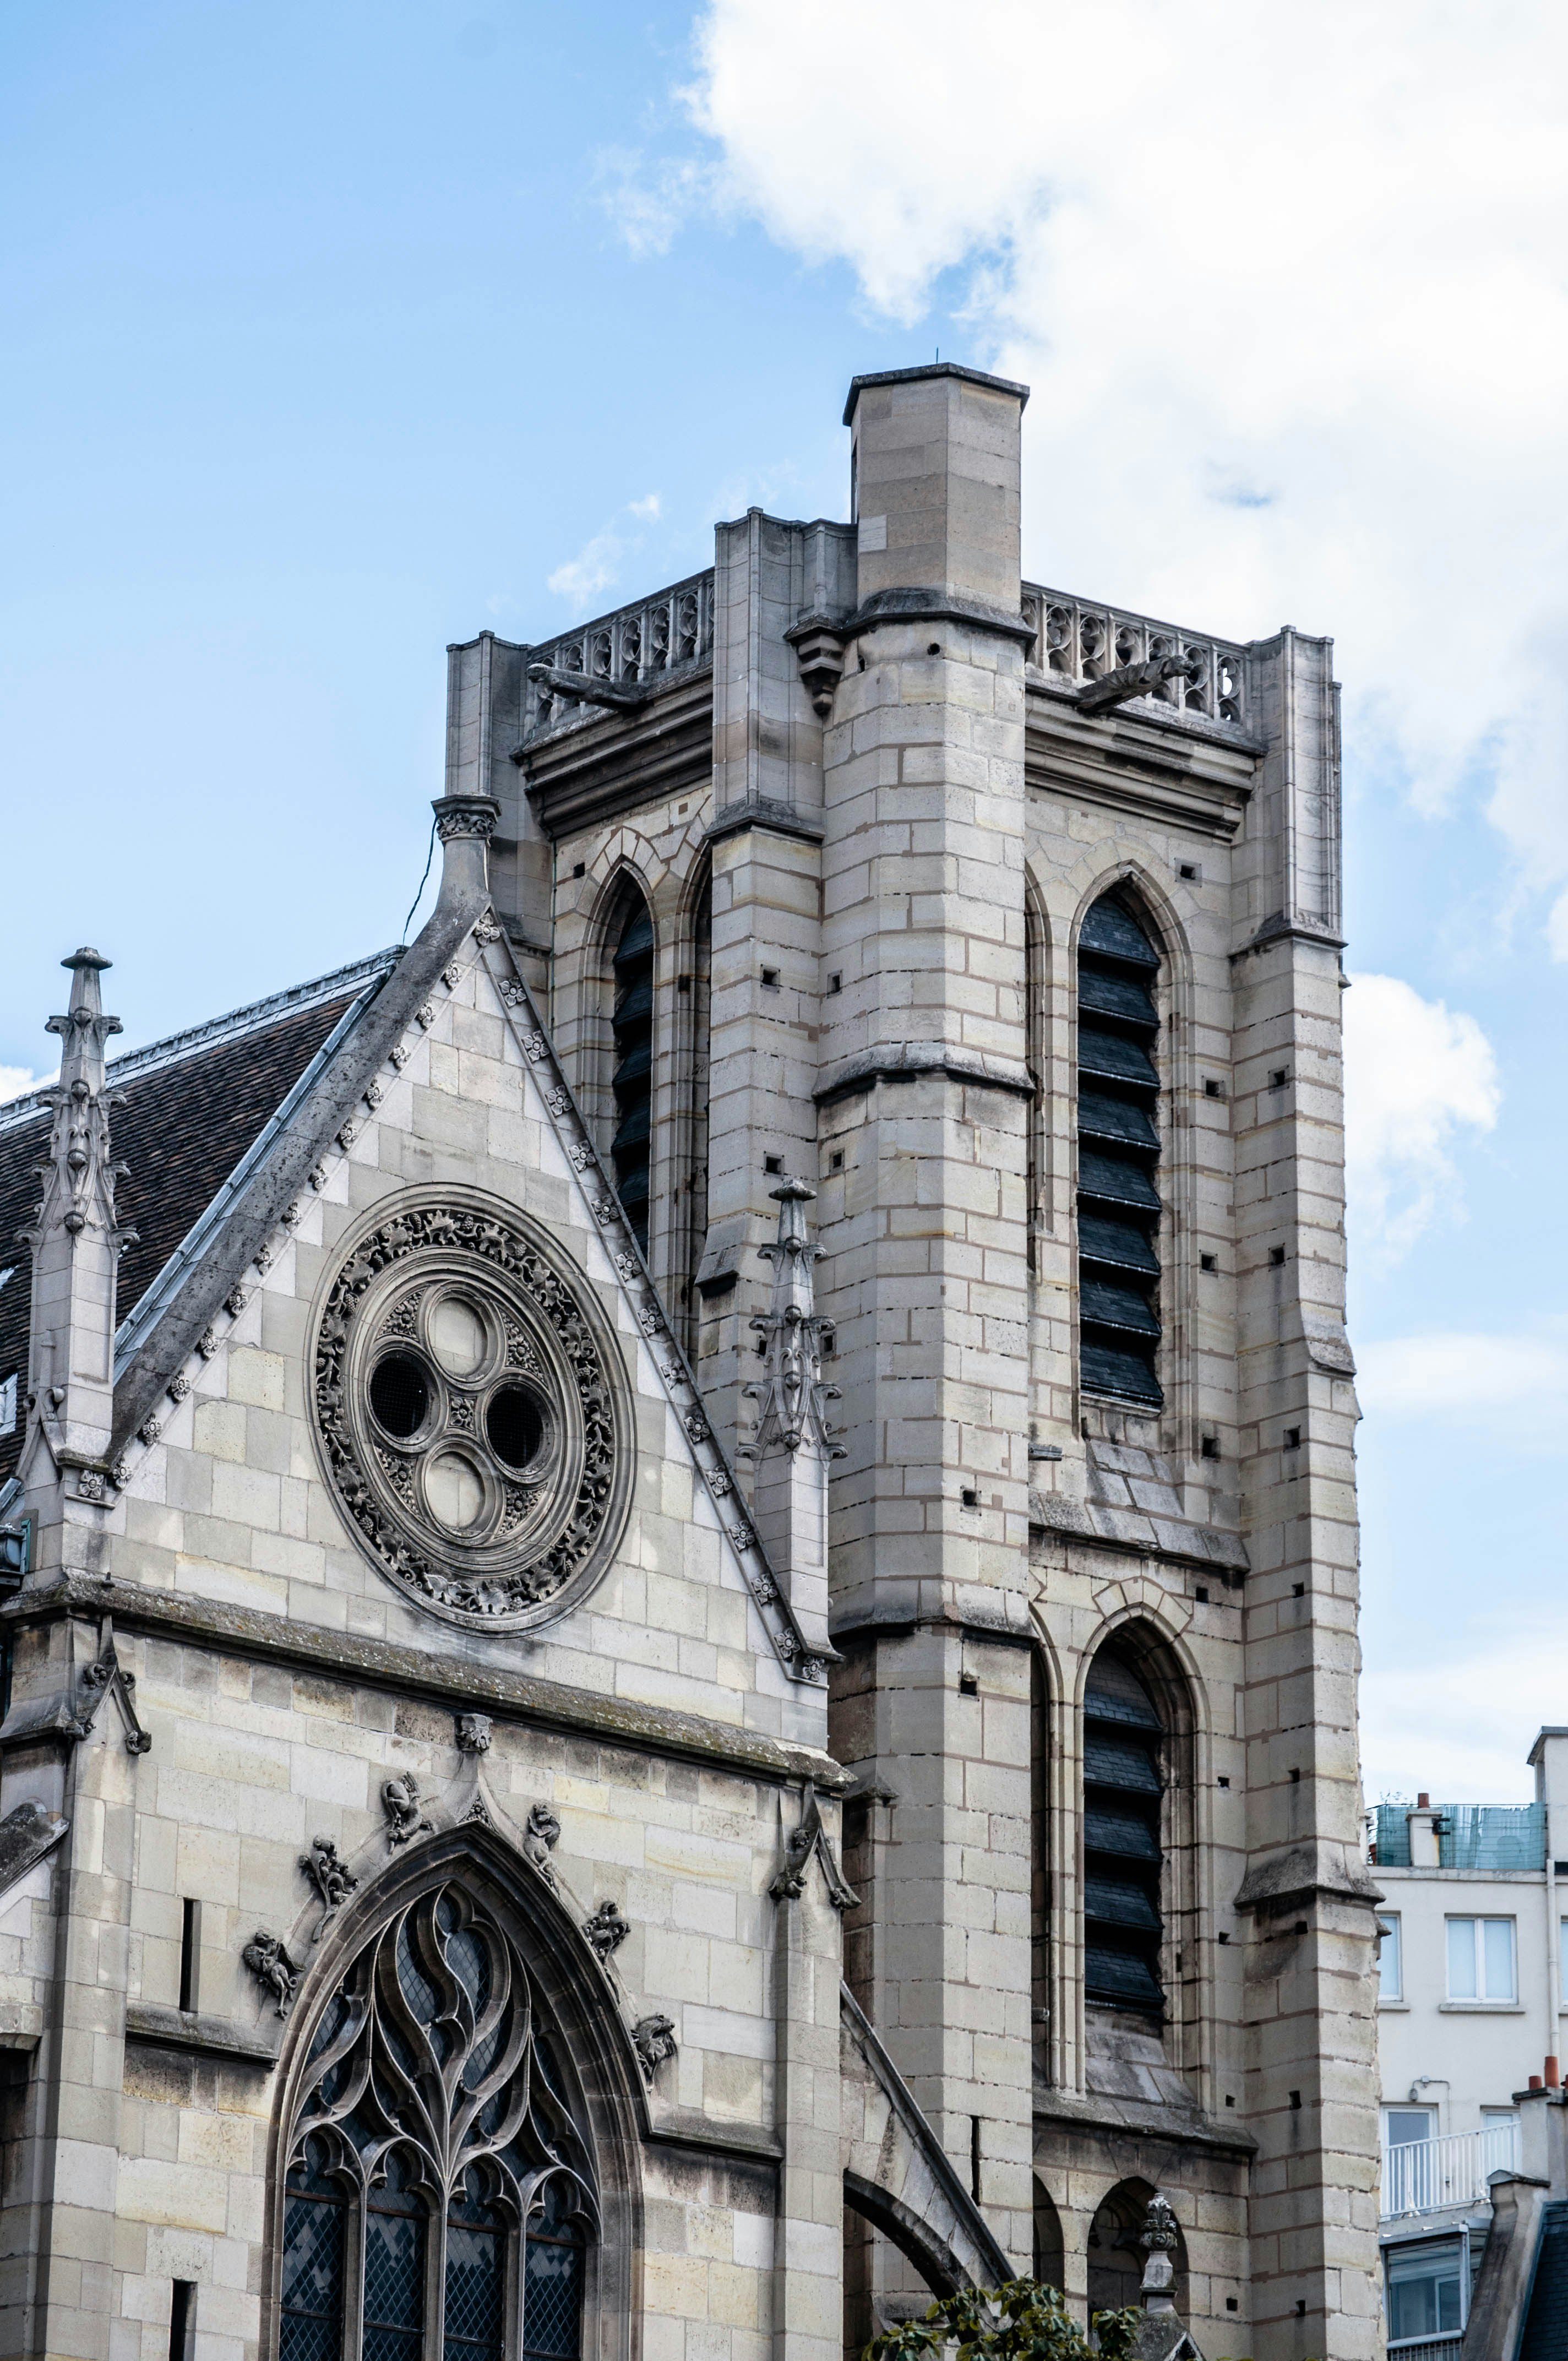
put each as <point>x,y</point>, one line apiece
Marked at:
<point>1024,2320</point>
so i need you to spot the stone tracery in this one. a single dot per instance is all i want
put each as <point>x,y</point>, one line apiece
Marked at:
<point>472,1413</point>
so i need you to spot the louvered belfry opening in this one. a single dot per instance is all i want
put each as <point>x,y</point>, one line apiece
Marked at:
<point>1122,1787</point>
<point>632,1079</point>
<point>1118,1152</point>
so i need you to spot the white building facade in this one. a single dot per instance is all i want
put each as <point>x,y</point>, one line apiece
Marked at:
<point>1469,2015</point>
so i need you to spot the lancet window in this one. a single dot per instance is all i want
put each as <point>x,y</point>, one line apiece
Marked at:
<point>631,1071</point>
<point>440,2202</point>
<point>1124,1857</point>
<point>1118,1154</point>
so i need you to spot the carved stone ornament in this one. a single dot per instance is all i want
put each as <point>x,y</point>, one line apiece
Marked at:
<point>540,1839</point>
<point>400,1802</point>
<point>333,1879</point>
<point>274,1971</point>
<point>606,1931</point>
<point>809,1838</point>
<point>472,1411</point>
<point>474,1732</point>
<point>654,2038</point>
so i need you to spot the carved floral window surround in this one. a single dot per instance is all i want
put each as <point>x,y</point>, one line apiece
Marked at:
<point>472,1412</point>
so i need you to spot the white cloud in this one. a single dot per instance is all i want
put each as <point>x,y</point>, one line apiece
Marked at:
<point>1461,1729</point>
<point>595,568</point>
<point>17,1081</point>
<point>651,200</point>
<point>1416,1074</point>
<point>1289,291</point>
<point>1522,1380</point>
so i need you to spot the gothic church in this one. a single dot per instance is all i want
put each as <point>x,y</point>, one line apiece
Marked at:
<point>680,1626</point>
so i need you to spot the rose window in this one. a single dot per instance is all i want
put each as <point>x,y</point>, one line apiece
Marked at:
<point>472,1413</point>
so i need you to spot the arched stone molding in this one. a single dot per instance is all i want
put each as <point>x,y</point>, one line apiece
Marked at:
<point>1050,2240</point>
<point>1175,1427</point>
<point>897,2175</point>
<point>1141,1627</point>
<point>1116,2258</point>
<point>608,2097</point>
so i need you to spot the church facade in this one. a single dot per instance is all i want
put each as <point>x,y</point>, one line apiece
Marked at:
<point>680,1635</point>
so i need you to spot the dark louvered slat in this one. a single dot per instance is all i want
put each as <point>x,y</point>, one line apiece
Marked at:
<point>1121,997</point>
<point>1115,1057</point>
<point>1116,1902</point>
<point>1110,929</point>
<point>1123,1121</point>
<point>1117,1244</point>
<point>1119,1763</point>
<point>1121,1976</point>
<point>1105,1306</point>
<point>1121,1833</point>
<point>1127,1376</point>
<point>1115,1181</point>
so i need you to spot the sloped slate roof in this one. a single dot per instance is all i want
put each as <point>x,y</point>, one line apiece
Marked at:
<point>192,1106</point>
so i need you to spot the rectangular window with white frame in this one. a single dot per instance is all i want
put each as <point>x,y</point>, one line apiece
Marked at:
<point>1391,1957</point>
<point>1481,1960</point>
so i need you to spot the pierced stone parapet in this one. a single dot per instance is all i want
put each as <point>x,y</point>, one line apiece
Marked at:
<point>618,660</point>
<point>1077,641</point>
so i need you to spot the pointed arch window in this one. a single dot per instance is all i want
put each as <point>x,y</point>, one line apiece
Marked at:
<point>632,1073</point>
<point>1123,1858</point>
<point>440,2200</point>
<point>1118,1156</point>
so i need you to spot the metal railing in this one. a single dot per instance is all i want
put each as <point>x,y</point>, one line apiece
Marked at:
<point>1080,642</point>
<point>1428,2348</point>
<point>1469,1836</point>
<point>1427,2175</point>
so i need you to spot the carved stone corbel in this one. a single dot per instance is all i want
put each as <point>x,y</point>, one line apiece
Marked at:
<point>654,2038</point>
<point>818,643</point>
<point>606,1931</point>
<point>333,1879</point>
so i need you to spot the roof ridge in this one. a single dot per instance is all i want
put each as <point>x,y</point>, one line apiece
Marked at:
<point>294,1000</point>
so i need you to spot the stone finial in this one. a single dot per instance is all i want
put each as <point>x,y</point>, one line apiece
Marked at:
<point>465,825</point>
<point>77,1239</point>
<point>793,1443</point>
<point>793,1394</point>
<point>1159,2239</point>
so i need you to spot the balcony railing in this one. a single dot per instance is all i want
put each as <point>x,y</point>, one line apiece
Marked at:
<point>1079,642</point>
<point>1428,2175</point>
<point>1428,2348</point>
<point>1469,1836</point>
<point>638,645</point>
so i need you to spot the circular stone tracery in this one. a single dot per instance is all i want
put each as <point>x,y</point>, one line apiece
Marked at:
<point>472,1414</point>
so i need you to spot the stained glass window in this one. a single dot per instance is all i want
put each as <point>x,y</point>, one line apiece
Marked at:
<point>394,2268</point>
<point>314,2215</point>
<point>553,2280</point>
<point>428,2070</point>
<point>476,2274</point>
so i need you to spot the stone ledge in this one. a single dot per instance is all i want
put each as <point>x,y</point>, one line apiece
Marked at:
<point>907,1061</point>
<point>414,1671</point>
<point>207,2036</point>
<point>1117,2117</point>
<point>1139,1533</point>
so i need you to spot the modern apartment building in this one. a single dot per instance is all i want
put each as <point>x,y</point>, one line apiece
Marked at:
<point>1469,2015</point>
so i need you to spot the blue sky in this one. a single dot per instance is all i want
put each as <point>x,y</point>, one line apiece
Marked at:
<point>335,334</point>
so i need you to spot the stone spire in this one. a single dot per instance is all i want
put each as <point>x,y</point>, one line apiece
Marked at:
<point>77,1241</point>
<point>793,1445</point>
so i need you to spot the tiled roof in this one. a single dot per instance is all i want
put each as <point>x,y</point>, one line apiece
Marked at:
<point>192,1106</point>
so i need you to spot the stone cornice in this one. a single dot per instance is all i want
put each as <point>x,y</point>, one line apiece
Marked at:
<point>906,1061</point>
<point>405,1671</point>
